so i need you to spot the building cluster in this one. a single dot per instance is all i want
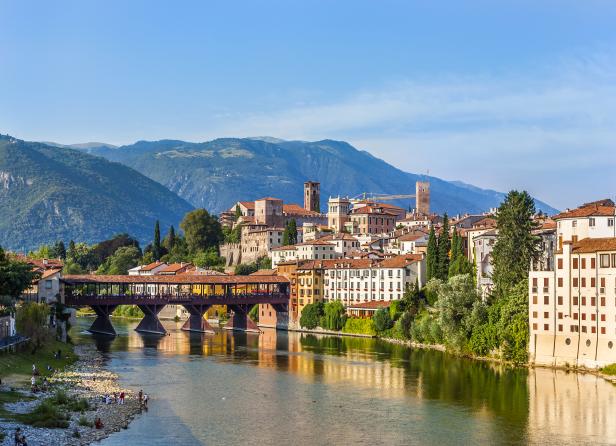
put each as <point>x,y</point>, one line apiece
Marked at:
<point>362,252</point>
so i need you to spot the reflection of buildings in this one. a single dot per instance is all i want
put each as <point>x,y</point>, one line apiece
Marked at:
<point>570,405</point>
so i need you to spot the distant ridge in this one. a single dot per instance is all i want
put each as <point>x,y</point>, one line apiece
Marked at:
<point>51,193</point>
<point>215,174</point>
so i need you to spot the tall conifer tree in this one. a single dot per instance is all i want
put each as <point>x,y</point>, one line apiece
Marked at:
<point>443,250</point>
<point>431,255</point>
<point>156,243</point>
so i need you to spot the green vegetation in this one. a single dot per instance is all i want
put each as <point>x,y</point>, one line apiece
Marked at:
<point>382,320</point>
<point>45,414</point>
<point>83,421</point>
<point>333,317</point>
<point>201,230</point>
<point>254,313</point>
<point>15,276</point>
<point>311,315</point>
<point>61,194</point>
<point>128,311</point>
<point>432,255</point>
<point>244,269</point>
<point>123,259</point>
<point>357,325</point>
<point>442,262</point>
<point>609,369</point>
<point>20,363</point>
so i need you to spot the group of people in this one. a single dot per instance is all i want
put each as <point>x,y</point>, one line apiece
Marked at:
<point>143,399</point>
<point>107,399</point>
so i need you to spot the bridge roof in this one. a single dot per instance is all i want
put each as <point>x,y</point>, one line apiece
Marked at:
<point>177,279</point>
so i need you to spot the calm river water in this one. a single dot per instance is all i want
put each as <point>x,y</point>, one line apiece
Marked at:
<point>301,389</point>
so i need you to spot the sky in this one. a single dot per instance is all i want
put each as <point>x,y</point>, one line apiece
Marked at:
<point>502,95</point>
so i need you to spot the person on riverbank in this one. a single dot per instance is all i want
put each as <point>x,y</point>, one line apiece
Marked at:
<point>115,398</point>
<point>140,397</point>
<point>145,400</point>
<point>20,439</point>
<point>98,424</point>
<point>122,395</point>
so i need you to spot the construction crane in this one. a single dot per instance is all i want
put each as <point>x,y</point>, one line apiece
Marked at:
<point>371,196</point>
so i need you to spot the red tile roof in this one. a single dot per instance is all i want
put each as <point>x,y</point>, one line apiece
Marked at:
<point>596,208</point>
<point>296,209</point>
<point>174,268</point>
<point>589,245</point>
<point>248,204</point>
<point>373,305</point>
<point>152,266</point>
<point>400,261</point>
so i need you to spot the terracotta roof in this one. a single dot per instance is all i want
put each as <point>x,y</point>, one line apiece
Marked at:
<point>50,272</point>
<point>597,208</point>
<point>152,266</point>
<point>180,278</point>
<point>594,245</point>
<point>285,248</point>
<point>318,242</point>
<point>264,272</point>
<point>372,210</point>
<point>296,209</point>
<point>174,268</point>
<point>411,237</point>
<point>339,236</point>
<point>373,305</point>
<point>352,263</point>
<point>365,254</point>
<point>548,224</point>
<point>400,261</point>
<point>248,204</point>
<point>316,264</point>
<point>487,222</point>
<point>42,264</point>
<point>381,205</point>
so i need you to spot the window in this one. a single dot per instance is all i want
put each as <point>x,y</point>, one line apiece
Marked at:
<point>613,260</point>
<point>575,300</point>
<point>560,263</point>
<point>610,222</point>
<point>584,300</point>
<point>534,300</point>
<point>560,300</point>
<point>560,327</point>
<point>546,326</point>
<point>603,301</point>
<point>575,263</point>
<point>574,223</point>
<point>560,315</point>
<point>583,263</point>
<point>602,330</point>
<point>583,282</point>
<point>593,301</point>
<point>592,263</point>
<point>604,260</point>
<point>534,315</point>
<point>603,318</point>
<point>534,326</point>
<point>575,316</point>
<point>593,317</point>
<point>560,282</point>
<point>593,329</point>
<point>591,222</point>
<point>593,282</point>
<point>583,316</point>
<point>546,300</point>
<point>583,328</point>
<point>546,315</point>
<point>575,281</point>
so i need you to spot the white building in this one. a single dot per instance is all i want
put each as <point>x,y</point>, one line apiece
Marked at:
<point>283,254</point>
<point>572,306</point>
<point>364,280</point>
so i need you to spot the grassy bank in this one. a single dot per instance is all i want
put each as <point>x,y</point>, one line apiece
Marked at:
<point>19,365</point>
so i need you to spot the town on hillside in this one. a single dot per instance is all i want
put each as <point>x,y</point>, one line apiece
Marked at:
<point>368,255</point>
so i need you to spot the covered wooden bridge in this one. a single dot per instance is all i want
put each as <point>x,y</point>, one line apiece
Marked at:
<point>196,293</point>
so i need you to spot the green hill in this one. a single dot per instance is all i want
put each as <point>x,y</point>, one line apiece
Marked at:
<point>52,193</point>
<point>217,173</point>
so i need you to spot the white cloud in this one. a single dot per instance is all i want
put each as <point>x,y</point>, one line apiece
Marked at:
<point>546,132</point>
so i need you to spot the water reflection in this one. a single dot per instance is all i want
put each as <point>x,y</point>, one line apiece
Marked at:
<point>366,390</point>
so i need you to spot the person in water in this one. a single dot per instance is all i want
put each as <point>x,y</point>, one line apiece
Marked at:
<point>98,424</point>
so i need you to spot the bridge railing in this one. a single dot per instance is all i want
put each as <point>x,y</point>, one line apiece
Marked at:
<point>74,299</point>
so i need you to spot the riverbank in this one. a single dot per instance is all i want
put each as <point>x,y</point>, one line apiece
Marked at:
<point>87,379</point>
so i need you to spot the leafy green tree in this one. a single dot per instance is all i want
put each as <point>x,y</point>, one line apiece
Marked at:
<point>289,236</point>
<point>432,255</point>
<point>461,265</point>
<point>382,320</point>
<point>513,323</point>
<point>201,230</point>
<point>82,255</point>
<point>334,316</point>
<point>443,250</point>
<point>208,259</point>
<point>156,247</point>
<point>179,252</point>
<point>31,321</point>
<point>238,212</point>
<point>15,276</point>
<point>44,252</point>
<point>72,267</point>
<point>311,315</point>
<point>232,235</point>
<point>70,254</point>
<point>125,258</point>
<point>254,311</point>
<point>457,299</point>
<point>102,250</point>
<point>515,245</point>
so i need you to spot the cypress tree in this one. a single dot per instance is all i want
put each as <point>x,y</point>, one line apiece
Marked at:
<point>293,231</point>
<point>238,212</point>
<point>431,255</point>
<point>71,250</point>
<point>171,239</point>
<point>285,235</point>
<point>60,250</point>
<point>443,250</point>
<point>156,243</point>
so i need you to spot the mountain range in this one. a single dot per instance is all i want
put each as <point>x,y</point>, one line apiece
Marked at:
<point>52,193</point>
<point>89,192</point>
<point>216,174</point>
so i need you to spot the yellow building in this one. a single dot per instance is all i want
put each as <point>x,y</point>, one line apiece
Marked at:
<point>310,280</point>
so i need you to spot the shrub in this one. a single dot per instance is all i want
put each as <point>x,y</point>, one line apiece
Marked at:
<point>333,317</point>
<point>395,309</point>
<point>382,320</point>
<point>83,421</point>
<point>359,326</point>
<point>254,313</point>
<point>609,369</point>
<point>46,414</point>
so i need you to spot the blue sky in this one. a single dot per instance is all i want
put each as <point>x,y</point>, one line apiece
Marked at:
<point>497,94</point>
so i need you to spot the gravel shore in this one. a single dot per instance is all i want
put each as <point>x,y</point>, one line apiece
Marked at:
<point>87,378</point>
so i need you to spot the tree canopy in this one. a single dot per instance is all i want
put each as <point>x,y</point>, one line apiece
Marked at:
<point>15,276</point>
<point>201,230</point>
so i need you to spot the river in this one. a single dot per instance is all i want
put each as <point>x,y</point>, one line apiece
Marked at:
<point>300,389</point>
